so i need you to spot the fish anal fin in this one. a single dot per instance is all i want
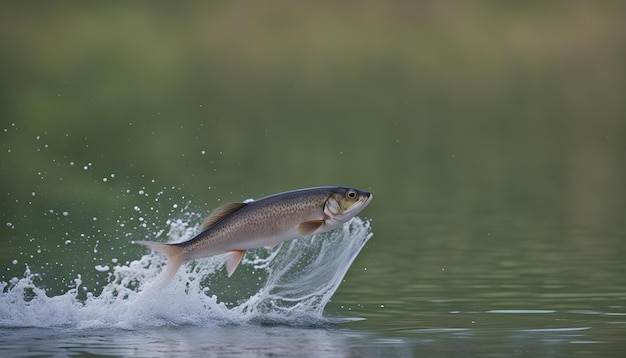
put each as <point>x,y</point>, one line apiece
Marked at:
<point>233,258</point>
<point>220,213</point>
<point>309,227</point>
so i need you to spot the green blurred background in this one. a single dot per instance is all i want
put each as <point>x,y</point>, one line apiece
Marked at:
<point>461,117</point>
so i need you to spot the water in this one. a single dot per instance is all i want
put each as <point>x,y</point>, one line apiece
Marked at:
<point>491,135</point>
<point>524,293</point>
<point>282,302</point>
<point>192,341</point>
<point>290,288</point>
<point>290,285</point>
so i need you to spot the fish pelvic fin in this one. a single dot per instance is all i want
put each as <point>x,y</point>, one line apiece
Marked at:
<point>175,258</point>
<point>220,213</point>
<point>308,227</point>
<point>233,258</point>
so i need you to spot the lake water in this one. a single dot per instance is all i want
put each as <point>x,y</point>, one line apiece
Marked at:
<point>493,139</point>
<point>518,295</point>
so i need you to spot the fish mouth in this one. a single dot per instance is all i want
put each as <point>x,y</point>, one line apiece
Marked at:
<point>369,198</point>
<point>366,202</point>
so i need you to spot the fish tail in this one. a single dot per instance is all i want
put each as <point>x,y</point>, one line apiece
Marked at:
<point>175,258</point>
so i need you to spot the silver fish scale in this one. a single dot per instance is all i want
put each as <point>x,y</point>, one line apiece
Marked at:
<point>264,218</point>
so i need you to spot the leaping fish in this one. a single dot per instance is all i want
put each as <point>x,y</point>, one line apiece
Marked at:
<point>234,228</point>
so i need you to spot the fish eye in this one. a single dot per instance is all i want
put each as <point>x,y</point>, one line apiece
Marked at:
<point>351,194</point>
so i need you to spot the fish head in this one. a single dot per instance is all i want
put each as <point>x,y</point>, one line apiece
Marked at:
<point>343,204</point>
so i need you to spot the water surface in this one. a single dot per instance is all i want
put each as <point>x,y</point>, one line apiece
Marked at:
<point>492,137</point>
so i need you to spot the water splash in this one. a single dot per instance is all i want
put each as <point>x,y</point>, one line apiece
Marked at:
<point>290,285</point>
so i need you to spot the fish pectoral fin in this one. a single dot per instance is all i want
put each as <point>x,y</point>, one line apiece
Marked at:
<point>220,213</point>
<point>232,260</point>
<point>309,227</point>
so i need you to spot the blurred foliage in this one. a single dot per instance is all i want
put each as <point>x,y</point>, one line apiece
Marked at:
<point>455,108</point>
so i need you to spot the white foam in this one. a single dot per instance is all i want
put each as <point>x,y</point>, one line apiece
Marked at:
<point>289,285</point>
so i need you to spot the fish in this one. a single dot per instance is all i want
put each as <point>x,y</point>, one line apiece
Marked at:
<point>233,228</point>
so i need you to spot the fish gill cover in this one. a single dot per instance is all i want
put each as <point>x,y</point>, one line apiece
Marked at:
<point>289,285</point>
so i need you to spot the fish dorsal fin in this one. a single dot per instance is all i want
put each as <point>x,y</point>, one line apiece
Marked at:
<point>220,213</point>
